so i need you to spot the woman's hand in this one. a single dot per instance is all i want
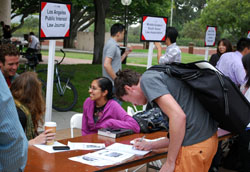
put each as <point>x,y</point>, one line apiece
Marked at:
<point>43,137</point>
<point>142,144</point>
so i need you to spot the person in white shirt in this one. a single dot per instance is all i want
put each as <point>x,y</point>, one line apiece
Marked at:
<point>173,52</point>
<point>34,44</point>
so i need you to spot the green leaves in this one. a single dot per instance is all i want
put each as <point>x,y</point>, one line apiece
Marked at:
<point>232,16</point>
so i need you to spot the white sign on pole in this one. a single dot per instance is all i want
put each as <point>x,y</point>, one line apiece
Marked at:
<point>154,28</point>
<point>210,36</point>
<point>54,20</point>
<point>54,24</point>
<point>248,35</point>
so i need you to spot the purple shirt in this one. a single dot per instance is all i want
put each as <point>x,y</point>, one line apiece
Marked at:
<point>230,64</point>
<point>114,116</point>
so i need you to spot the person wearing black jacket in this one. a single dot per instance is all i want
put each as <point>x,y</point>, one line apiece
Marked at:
<point>223,46</point>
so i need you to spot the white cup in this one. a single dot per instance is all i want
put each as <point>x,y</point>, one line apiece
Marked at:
<point>50,125</point>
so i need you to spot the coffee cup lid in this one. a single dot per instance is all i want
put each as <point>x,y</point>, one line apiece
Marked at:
<point>50,124</point>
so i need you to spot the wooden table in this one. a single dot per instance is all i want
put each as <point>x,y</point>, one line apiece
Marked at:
<point>41,161</point>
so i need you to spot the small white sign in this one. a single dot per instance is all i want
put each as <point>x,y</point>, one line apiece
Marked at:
<point>248,35</point>
<point>153,28</point>
<point>210,36</point>
<point>54,20</point>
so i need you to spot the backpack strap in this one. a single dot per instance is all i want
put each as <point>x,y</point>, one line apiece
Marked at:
<point>191,71</point>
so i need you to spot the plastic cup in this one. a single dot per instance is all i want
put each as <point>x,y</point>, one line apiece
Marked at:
<point>50,125</point>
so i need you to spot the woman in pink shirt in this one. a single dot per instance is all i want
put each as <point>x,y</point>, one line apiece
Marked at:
<point>101,111</point>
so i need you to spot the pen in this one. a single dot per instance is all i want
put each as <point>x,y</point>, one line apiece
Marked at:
<point>142,138</point>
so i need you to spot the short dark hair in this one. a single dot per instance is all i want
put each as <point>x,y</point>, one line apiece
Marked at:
<point>32,33</point>
<point>246,64</point>
<point>105,84</point>
<point>7,50</point>
<point>227,44</point>
<point>242,44</point>
<point>115,28</point>
<point>172,34</point>
<point>125,77</point>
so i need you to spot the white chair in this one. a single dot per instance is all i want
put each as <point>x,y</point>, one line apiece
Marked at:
<point>130,111</point>
<point>75,122</point>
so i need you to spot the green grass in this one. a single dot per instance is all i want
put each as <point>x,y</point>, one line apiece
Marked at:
<point>85,73</point>
<point>135,60</point>
<point>74,55</point>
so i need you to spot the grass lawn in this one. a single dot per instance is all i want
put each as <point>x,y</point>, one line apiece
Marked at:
<point>136,60</point>
<point>85,73</point>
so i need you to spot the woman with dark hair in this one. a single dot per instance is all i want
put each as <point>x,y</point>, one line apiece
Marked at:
<point>223,46</point>
<point>245,88</point>
<point>27,92</point>
<point>101,111</point>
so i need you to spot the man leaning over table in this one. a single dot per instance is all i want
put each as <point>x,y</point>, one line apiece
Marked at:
<point>193,140</point>
<point>13,142</point>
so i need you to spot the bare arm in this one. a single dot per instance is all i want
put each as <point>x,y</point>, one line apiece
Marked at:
<point>177,125</point>
<point>158,46</point>
<point>108,67</point>
<point>144,145</point>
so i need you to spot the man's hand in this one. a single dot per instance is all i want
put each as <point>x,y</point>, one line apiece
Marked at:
<point>126,53</point>
<point>142,144</point>
<point>158,45</point>
<point>167,167</point>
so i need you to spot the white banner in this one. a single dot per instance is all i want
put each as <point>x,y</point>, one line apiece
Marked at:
<point>54,20</point>
<point>153,28</point>
<point>210,36</point>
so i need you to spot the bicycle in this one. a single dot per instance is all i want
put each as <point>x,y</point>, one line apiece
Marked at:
<point>64,92</point>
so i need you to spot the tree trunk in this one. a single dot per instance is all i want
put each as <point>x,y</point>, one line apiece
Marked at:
<point>70,42</point>
<point>99,34</point>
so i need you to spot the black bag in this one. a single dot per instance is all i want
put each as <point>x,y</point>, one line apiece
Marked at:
<point>217,93</point>
<point>151,120</point>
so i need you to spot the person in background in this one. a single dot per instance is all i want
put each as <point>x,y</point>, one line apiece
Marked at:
<point>245,87</point>
<point>223,46</point>
<point>244,137</point>
<point>27,93</point>
<point>230,63</point>
<point>6,31</point>
<point>101,111</point>
<point>13,143</point>
<point>173,52</point>
<point>193,140</point>
<point>112,59</point>
<point>9,62</point>
<point>34,44</point>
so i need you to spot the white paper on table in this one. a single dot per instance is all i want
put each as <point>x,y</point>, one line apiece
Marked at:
<point>86,159</point>
<point>49,148</point>
<point>148,140</point>
<point>102,157</point>
<point>126,148</point>
<point>85,146</point>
